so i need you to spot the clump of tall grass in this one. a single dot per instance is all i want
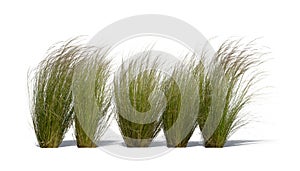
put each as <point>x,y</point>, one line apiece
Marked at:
<point>180,116</point>
<point>139,100</point>
<point>226,87</point>
<point>51,95</point>
<point>92,96</point>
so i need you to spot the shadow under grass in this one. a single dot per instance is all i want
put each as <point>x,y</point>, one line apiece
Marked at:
<point>68,143</point>
<point>153,144</point>
<point>108,143</point>
<point>194,143</point>
<point>232,143</point>
<point>229,143</point>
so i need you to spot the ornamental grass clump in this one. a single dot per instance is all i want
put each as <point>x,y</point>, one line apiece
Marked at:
<point>51,95</point>
<point>92,97</point>
<point>180,115</point>
<point>139,100</point>
<point>226,87</point>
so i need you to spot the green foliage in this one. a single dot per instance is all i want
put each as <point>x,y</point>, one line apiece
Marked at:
<point>92,97</point>
<point>51,95</point>
<point>225,89</point>
<point>74,79</point>
<point>139,102</point>
<point>179,118</point>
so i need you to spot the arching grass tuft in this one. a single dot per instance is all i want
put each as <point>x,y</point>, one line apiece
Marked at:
<point>51,95</point>
<point>92,97</point>
<point>139,101</point>
<point>226,87</point>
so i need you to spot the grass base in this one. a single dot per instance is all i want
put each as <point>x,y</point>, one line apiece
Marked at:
<point>137,142</point>
<point>87,146</point>
<point>53,144</point>
<point>181,145</point>
<point>213,144</point>
<point>82,139</point>
<point>86,143</point>
<point>50,146</point>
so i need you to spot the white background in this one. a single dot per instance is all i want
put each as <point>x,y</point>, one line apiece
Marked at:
<point>28,28</point>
